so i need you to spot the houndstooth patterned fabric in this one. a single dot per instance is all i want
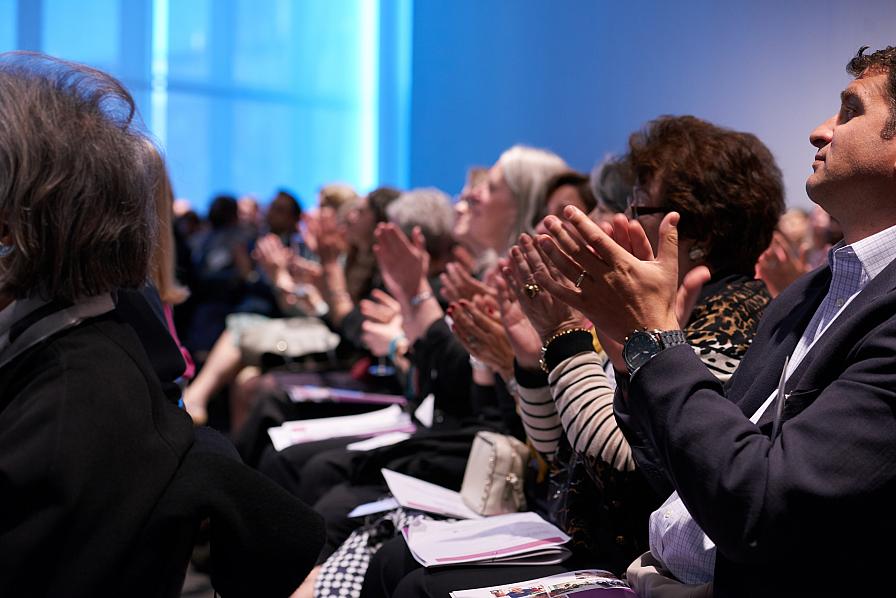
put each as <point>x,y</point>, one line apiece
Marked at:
<point>342,574</point>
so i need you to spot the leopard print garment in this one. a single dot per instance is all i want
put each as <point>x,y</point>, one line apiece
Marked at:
<point>723,324</point>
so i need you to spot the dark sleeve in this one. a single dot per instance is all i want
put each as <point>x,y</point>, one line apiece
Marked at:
<point>443,369</point>
<point>762,500</point>
<point>350,328</point>
<point>263,540</point>
<point>648,463</point>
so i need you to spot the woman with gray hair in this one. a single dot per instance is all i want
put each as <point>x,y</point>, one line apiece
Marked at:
<point>509,203</point>
<point>103,481</point>
<point>429,209</point>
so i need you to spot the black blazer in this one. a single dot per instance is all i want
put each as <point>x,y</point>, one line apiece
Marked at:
<point>812,509</point>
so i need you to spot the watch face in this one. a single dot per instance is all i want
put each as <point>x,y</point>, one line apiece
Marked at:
<point>638,349</point>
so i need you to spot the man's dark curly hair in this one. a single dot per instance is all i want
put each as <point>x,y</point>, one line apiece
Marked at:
<point>725,184</point>
<point>880,62</point>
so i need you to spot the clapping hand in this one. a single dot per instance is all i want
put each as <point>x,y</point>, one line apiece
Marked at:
<point>402,262</point>
<point>779,265</point>
<point>547,313</point>
<point>478,327</point>
<point>524,339</point>
<point>324,235</point>
<point>616,281</point>
<point>274,258</point>
<point>458,283</point>
<point>381,307</point>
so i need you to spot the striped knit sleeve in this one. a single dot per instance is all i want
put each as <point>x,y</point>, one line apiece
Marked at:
<point>583,396</point>
<point>540,419</point>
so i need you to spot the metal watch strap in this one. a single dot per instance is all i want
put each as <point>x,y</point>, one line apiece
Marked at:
<point>670,338</point>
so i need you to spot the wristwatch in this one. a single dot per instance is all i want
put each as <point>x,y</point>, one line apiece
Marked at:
<point>642,345</point>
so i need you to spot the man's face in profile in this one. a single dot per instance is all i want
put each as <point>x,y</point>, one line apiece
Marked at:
<point>854,163</point>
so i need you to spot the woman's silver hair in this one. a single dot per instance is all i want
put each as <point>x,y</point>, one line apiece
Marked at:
<point>431,210</point>
<point>526,171</point>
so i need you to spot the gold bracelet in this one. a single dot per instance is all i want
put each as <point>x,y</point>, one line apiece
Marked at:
<point>544,347</point>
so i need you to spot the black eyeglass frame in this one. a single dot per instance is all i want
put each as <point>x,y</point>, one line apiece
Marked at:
<point>636,212</point>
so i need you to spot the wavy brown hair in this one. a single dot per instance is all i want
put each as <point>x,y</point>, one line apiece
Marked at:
<point>725,184</point>
<point>75,191</point>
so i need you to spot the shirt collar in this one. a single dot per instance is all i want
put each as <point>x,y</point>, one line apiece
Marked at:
<point>873,253</point>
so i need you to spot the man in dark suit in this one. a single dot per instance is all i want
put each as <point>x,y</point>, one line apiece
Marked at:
<point>811,485</point>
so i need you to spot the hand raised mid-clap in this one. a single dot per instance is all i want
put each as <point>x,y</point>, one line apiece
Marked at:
<point>618,291</point>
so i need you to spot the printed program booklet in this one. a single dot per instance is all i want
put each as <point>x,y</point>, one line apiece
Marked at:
<point>586,583</point>
<point>516,538</point>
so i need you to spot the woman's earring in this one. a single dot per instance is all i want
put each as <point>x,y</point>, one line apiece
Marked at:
<point>6,250</point>
<point>696,253</point>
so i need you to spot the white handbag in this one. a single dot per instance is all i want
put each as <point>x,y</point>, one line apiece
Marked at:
<point>493,480</point>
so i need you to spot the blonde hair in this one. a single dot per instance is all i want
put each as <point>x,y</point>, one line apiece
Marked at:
<point>161,262</point>
<point>336,195</point>
<point>527,171</point>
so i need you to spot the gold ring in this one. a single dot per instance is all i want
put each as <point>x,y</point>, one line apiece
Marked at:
<point>531,289</point>
<point>580,279</point>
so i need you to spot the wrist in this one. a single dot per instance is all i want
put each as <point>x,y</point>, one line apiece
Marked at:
<point>551,332</point>
<point>641,346</point>
<point>563,344</point>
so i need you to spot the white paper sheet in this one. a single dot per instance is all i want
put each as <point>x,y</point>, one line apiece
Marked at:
<point>423,496</point>
<point>387,439</point>
<point>377,506</point>
<point>493,539</point>
<point>426,410</point>
<point>390,419</point>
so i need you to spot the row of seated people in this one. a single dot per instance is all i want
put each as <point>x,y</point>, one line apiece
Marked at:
<point>519,321</point>
<point>483,368</point>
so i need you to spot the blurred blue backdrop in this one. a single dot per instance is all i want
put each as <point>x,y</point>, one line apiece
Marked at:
<point>250,96</point>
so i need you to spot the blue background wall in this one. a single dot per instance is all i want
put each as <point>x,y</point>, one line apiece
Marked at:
<point>577,76</point>
<point>250,95</point>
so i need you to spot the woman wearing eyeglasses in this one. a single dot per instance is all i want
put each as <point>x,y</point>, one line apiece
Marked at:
<point>728,190</point>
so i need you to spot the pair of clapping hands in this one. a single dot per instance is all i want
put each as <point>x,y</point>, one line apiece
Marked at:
<point>608,273</point>
<point>581,271</point>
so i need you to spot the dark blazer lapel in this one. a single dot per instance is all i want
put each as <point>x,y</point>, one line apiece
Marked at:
<point>835,342</point>
<point>758,374</point>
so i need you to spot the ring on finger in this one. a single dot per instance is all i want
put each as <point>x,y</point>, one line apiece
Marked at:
<point>531,289</point>
<point>581,278</point>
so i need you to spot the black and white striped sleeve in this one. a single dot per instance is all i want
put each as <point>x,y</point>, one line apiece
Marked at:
<point>540,419</point>
<point>583,396</point>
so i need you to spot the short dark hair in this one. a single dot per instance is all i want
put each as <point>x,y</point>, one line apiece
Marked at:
<point>725,184</point>
<point>580,182</point>
<point>294,203</point>
<point>379,199</point>
<point>223,211</point>
<point>883,61</point>
<point>75,184</point>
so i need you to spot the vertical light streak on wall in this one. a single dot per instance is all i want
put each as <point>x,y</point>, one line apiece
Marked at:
<point>369,48</point>
<point>404,80</point>
<point>159,72</point>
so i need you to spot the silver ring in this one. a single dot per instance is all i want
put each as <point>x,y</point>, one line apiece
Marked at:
<point>581,278</point>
